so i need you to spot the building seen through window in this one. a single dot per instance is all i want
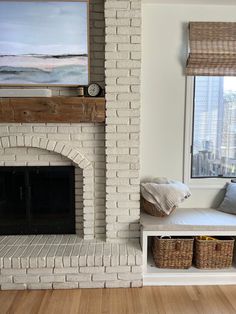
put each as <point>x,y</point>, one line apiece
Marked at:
<point>214,127</point>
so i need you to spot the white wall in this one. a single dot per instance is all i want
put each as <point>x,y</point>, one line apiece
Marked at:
<point>164,53</point>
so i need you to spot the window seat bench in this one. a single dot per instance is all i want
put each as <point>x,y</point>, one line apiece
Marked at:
<point>186,222</point>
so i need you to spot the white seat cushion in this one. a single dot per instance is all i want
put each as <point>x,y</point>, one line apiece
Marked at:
<point>195,219</point>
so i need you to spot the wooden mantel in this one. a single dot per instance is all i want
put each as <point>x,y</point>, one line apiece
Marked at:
<point>52,109</point>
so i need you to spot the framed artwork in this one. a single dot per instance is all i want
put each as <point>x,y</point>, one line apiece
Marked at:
<point>44,43</point>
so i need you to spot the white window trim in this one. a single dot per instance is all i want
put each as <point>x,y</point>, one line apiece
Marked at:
<point>202,183</point>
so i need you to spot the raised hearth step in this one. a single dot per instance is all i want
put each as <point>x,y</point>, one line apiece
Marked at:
<point>67,261</point>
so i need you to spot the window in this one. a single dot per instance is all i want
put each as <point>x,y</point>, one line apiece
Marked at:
<point>214,127</point>
<point>210,137</point>
<point>210,131</point>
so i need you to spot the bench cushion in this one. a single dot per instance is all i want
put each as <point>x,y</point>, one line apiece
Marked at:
<point>195,219</point>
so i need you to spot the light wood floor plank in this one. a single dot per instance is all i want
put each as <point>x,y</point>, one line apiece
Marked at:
<point>7,299</point>
<point>147,300</point>
<point>230,295</point>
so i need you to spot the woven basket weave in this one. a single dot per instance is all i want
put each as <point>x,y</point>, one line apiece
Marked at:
<point>213,254</point>
<point>151,209</point>
<point>173,253</point>
<point>212,49</point>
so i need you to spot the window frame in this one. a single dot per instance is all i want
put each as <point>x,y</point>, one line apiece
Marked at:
<point>203,182</point>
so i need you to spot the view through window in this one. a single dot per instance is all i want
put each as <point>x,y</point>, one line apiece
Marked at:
<point>214,127</point>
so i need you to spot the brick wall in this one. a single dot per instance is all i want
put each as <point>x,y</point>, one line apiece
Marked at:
<point>122,74</point>
<point>97,42</point>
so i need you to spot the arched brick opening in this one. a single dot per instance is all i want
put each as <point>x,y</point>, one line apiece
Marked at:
<point>78,159</point>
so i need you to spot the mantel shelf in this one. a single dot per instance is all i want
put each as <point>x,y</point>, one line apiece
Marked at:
<point>52,110</point>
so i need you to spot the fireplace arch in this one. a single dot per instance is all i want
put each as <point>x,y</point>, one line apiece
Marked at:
<point>78,160</point>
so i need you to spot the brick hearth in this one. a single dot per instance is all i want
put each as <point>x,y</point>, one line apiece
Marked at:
<point>67,261</point>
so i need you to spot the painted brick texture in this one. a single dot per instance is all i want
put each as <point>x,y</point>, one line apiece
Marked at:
<point>122,75</point>
<point>67,262</point>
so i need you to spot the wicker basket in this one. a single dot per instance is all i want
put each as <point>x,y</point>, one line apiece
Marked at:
<point>213,253</point>
<point>173,252</point>
<point>151,209</point>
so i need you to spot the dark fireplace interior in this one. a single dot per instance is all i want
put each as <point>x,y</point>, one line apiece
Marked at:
<point>37,200</point>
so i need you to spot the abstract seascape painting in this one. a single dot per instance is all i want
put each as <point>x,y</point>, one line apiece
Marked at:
<point>43,43</point>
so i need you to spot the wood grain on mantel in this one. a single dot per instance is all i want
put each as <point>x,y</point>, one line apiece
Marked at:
<point>52,109</point>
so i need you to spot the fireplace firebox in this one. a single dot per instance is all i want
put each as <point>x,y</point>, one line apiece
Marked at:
<point>37,200</point>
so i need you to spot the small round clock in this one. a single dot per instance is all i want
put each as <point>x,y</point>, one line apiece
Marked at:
<point>94,90</point>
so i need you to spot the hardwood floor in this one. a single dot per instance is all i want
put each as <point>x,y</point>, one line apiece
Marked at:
<point>148,300</point>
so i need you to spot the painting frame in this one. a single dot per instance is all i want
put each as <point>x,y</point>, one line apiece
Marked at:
<point>52,85</point>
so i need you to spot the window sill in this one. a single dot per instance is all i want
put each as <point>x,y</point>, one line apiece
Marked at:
<point>207,183</point>
<point>206,187</point>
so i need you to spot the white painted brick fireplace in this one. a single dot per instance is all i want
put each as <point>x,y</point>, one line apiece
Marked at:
<point>106,159</point>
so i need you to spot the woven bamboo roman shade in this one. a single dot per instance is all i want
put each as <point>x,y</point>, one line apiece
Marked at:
<point>212,49</point>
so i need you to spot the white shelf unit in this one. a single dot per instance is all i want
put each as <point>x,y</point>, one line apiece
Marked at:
<point>153,276</point>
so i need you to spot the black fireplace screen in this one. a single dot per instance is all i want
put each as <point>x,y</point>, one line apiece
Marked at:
<point>37,200</point>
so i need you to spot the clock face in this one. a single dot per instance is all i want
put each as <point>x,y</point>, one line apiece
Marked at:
<point>93,89</point>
